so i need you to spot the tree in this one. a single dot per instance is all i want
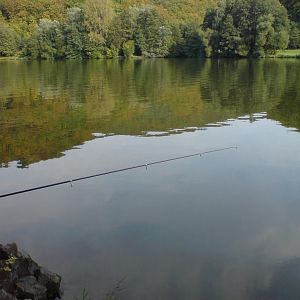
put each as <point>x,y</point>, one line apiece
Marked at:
<point>220,25</point>
<point>229,38</point>
<point>293,8</point>
<point>122,28</point>
<point>28,11</point>
<point>294,36</point>
<point>48,41</point>
<point>98,15</point>
<point>8,40</point>
<point>153,36</point>
<point>247,27</point>
<point>75,33</point>
<point>106,28</point>
<point>265,37</point>
<point>189,41</point>
<point>128,49</point>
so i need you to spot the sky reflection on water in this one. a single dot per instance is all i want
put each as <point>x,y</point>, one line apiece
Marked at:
<point>223,226</point>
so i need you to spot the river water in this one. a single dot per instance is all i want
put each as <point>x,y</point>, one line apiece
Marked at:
<point>221,226</point>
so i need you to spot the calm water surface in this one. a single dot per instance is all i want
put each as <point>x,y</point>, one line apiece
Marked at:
<point>223,226</point>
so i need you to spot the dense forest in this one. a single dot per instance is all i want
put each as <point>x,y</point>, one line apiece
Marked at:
<point>59,29</point>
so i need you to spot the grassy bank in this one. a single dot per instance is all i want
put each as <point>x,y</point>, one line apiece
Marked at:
<point>286,54</point>
<point>278,54</point>
<point>12,58</point>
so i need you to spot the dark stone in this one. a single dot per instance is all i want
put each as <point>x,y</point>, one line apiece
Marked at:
<point>29,288</point>
<point>51,281</point>
<point>6,296</point>
<point>3,254</point>
<point>12,249</point>
<point>22,278</point>
<point>6,281</point>
<point>25,266</point>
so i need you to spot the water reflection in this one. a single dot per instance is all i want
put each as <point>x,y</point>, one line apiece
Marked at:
<point>49,107</point>
<point>223,227</point>
<point>281,284</point>
<point>285,281</point>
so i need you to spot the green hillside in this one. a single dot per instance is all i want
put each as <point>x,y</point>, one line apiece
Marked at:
<point>81,29</point>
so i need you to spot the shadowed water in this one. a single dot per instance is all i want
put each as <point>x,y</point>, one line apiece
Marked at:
<point>223,226</point>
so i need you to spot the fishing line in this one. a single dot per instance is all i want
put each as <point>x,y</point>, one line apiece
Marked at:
<point>71,181</point>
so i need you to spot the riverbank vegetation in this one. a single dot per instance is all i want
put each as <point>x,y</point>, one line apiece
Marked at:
<point>292,53</point>
<point>83,29</point>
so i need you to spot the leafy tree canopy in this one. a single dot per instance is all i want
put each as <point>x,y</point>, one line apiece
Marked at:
<point>47,29</point>
<point>247,27</point>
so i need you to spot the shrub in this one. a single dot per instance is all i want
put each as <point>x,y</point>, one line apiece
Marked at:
<point>128,49</point>
<point>8,40</point>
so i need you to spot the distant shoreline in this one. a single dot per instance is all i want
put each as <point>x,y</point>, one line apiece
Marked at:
<point>279,54</point>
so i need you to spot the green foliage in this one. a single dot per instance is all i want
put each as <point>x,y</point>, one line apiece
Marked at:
<point>128,49</point>
<point>73,3</point>
<point>112,52</point>
<point>48,41</point>
<point>189,41</point>
<point>75,33</point>
<point>229,38</point>
<point>79,29</point>
<point>294,36</point>
<point>98,15</point>
<point>122,28</point>
<point>153,36</point>
<point>8,40</point>
<point>293,7</point>
<point>290,53</point>
<point>9,263</point>
<point>247,27</point>
<point>94,50</point>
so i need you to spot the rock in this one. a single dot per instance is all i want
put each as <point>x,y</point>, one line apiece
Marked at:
<point>51,281</point>
<point>6,280</point>
<point>22,278</point>
<point>12,249</point>
<point>28,287</point>
<point>6,296</point>
<point>3,254</point>
<point>25,266</point>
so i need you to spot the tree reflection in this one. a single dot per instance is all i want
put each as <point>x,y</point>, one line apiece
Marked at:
<point>49,107</point>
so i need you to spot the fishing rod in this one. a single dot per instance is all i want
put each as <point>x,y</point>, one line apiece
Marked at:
<point>71,181</point>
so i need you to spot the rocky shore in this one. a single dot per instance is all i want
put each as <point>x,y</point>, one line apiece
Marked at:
<point>22,278</point>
